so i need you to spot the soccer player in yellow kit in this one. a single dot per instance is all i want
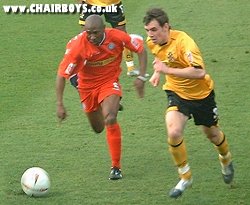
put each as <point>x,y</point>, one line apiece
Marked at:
<point>116,19</point>
<point>190,92</point>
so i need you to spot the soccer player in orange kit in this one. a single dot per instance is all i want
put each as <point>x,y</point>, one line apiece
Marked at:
<point>190,92</point>
<point>116,19</point>
<point>96,55</point>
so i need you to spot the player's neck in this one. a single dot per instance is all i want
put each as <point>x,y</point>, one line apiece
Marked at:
<point>104,36</point>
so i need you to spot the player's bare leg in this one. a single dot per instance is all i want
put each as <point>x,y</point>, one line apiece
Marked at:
<point>175,122</point>
<point>96,120</point>
<point>110,107</point>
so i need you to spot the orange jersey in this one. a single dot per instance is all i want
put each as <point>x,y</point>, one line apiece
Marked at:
<point>102,2</point>
<point>180,52</point>
<point>97,65</point>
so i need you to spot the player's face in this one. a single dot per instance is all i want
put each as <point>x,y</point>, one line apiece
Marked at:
<point>95,36</point>
<point>158,34</point>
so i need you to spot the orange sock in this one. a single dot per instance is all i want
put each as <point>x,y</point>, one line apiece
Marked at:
<point>113,133</point>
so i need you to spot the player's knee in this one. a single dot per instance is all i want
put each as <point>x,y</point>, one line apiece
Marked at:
<point>213,137</point>
<point>175,142</point>
<point>98,129</point>
<point>110,119</point>
<point>175,133</point>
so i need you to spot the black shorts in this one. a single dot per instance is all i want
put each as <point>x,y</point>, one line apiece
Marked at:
<point>114,17</point>
<point>203,111</point>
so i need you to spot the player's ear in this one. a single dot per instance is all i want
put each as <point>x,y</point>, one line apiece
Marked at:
<point>167,26</point>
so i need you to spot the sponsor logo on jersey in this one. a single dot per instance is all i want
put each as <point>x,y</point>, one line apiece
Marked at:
<point>111,46</point>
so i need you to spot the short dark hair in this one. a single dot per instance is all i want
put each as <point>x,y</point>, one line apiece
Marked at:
<point>157,14</point>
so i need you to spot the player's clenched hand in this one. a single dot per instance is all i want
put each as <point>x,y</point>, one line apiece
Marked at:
<point>61,112</point>
<point>155,79</point>
<point>160,66</point>
<point>139,86</point>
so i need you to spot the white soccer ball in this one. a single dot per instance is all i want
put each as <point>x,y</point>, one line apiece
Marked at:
<point>35,182</point>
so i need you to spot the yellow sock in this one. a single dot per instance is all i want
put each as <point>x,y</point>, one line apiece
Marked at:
<point>179,155</point>
<point>185,172</point>
<point>223,149</point>
<point>225,159</point>
<point>128,56</point>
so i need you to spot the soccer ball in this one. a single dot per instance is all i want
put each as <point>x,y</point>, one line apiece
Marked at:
<point>35,182</point>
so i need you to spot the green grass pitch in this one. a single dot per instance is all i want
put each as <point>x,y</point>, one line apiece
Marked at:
<point>77,160</point>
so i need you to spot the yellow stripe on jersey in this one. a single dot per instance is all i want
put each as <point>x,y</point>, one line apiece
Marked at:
<point>101,63</point>
<point>102,2</point>
<point>180,52</point>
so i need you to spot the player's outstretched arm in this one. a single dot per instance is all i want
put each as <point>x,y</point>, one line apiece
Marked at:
<point>60,85</point>
<point>140,80</point>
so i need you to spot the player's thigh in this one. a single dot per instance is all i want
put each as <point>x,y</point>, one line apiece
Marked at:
<point>213,133</point>
<point>111,104</point>
<point>92,109</point>
<point>96,120</point>
<point>175,123</point>
<point>177,115</point>
<point>109,98</point>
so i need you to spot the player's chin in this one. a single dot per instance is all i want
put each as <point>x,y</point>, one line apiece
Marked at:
<point>154,41</point>
<point>94,42</point>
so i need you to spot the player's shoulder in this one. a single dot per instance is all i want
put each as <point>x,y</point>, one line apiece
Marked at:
<point>177,34</point>
<point>119,34</point>
<point>76,40</point>
<point>116,35</point>
<point>78,37</point>
<point>115,32</point>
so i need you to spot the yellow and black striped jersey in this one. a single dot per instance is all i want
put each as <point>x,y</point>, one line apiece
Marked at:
<point>102,2</point>
<point>180,52</point>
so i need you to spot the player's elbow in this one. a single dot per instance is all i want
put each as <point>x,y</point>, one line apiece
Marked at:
<point>200,73</point>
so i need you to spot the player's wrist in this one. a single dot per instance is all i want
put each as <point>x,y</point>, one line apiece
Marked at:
<point>142,78</point>
<point>59,104</point>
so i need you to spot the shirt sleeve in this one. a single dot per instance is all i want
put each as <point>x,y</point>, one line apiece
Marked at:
<point>191,53</point>
<point>71,62</point>
<point>134,43</point>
